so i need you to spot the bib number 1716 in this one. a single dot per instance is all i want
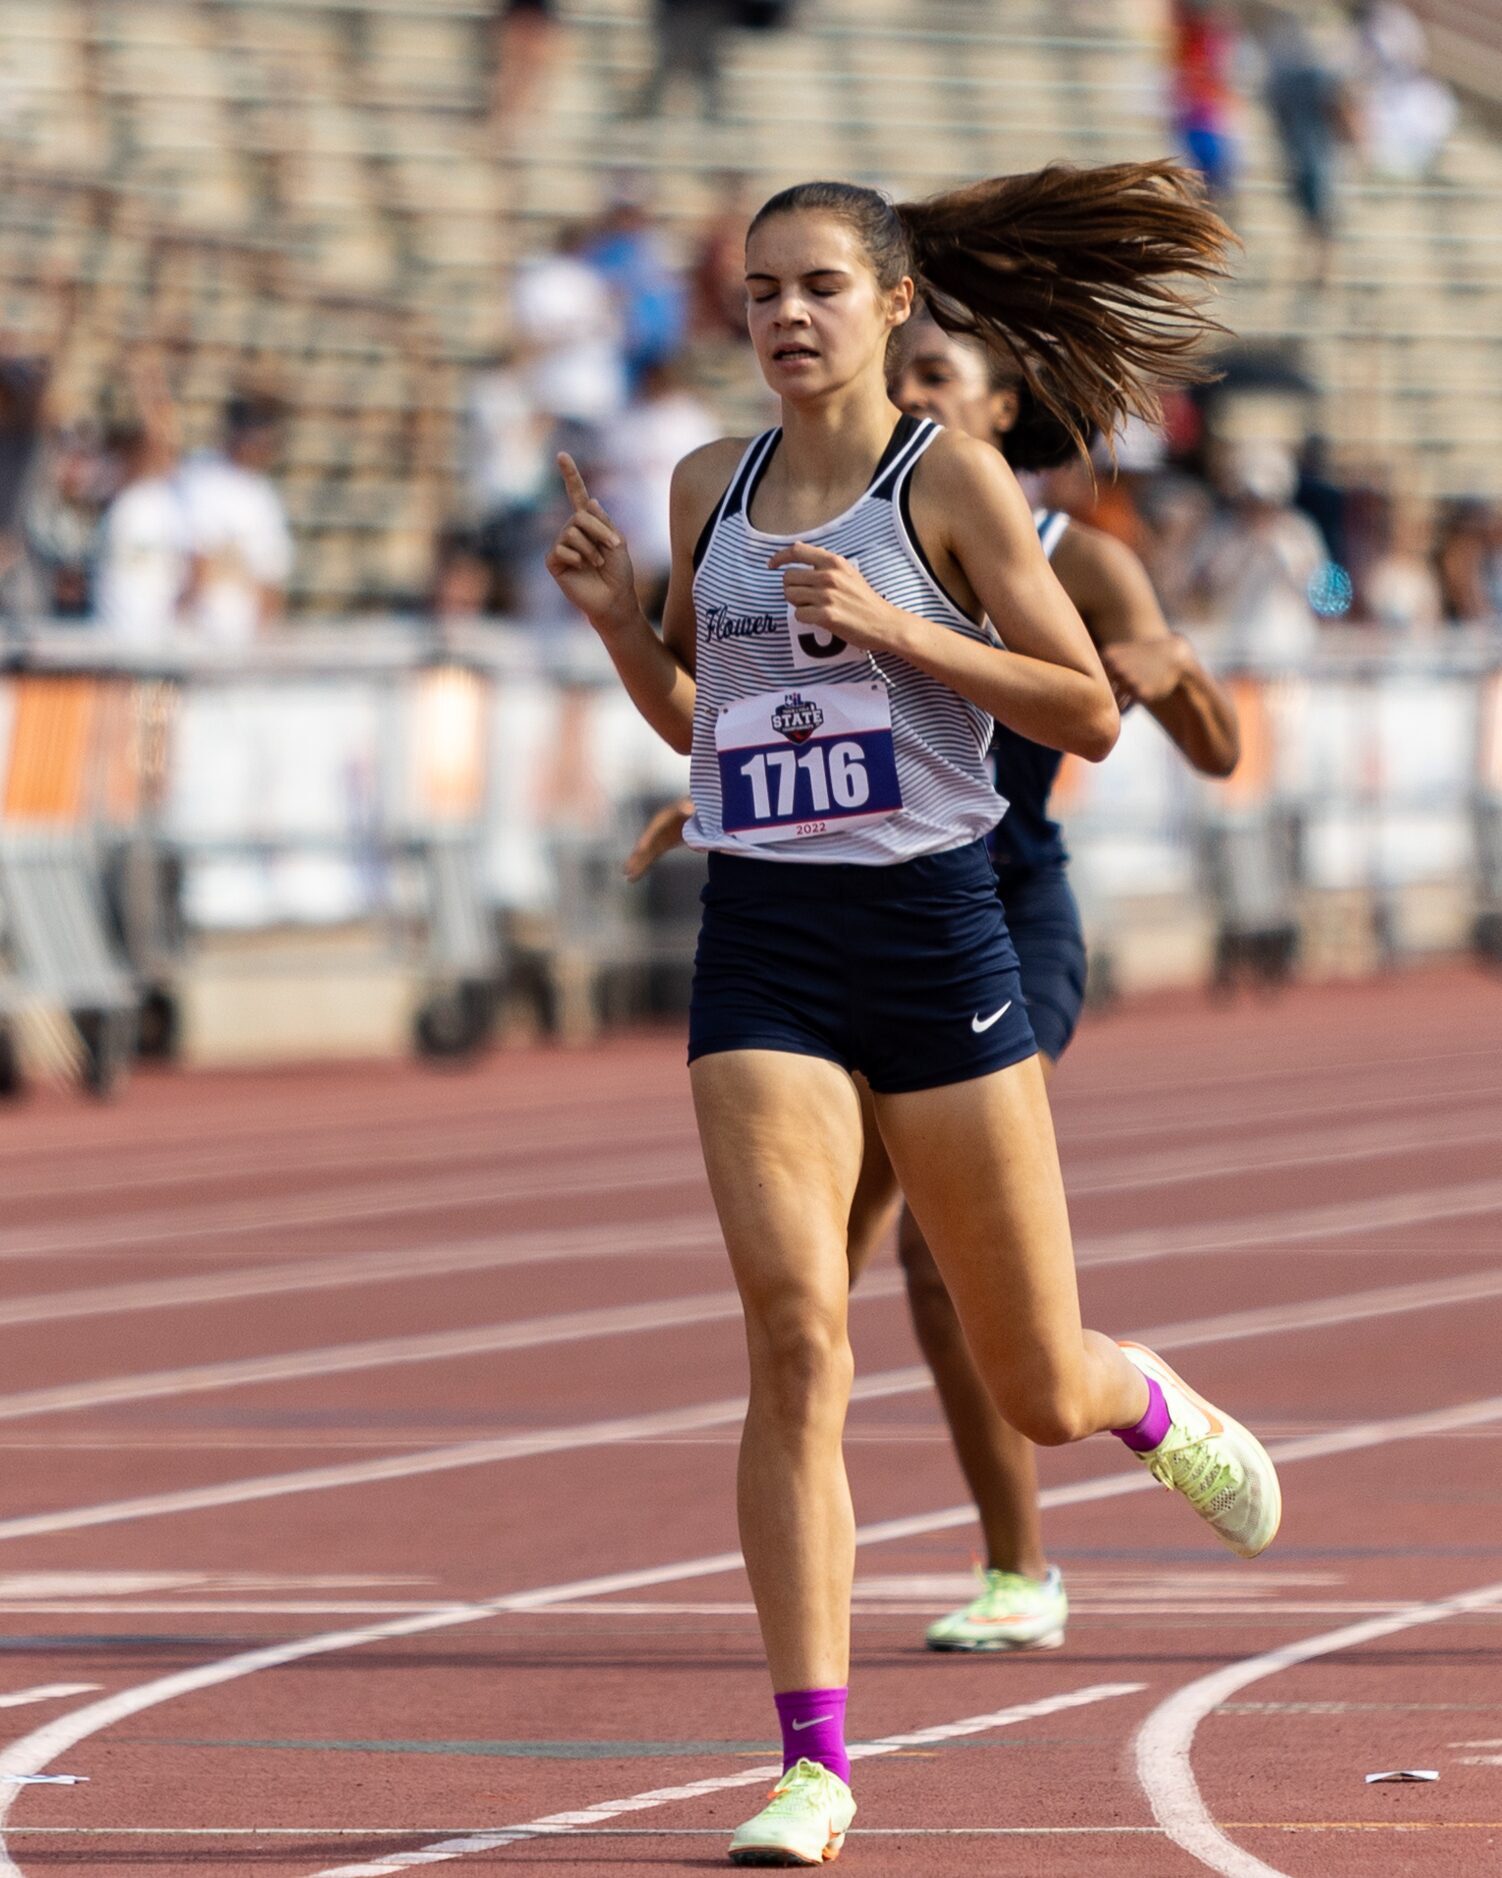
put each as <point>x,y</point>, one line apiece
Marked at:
<point>834,778</point>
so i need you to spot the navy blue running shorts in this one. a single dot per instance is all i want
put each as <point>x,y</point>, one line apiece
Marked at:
<point>1044,921</point>
<point>905,973</point>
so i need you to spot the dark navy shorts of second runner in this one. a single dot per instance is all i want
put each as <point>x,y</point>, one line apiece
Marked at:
<point>905,973</point>
<point>1044,921</point>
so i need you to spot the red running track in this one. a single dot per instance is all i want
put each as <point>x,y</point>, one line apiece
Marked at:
<point>368,1438</point>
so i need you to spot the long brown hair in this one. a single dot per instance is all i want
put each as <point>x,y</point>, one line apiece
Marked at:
<point>1090,281</point>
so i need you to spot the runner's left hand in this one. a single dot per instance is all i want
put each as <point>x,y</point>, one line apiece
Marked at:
<point>1144,671</point>
<point>826,591</point>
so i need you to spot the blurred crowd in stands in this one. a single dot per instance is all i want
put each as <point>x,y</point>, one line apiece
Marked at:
<point>628,348</point>
<point>1363,94</point>
<point>112,525</point>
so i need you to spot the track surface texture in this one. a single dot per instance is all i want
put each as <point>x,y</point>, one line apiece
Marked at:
<point>368,1446</point>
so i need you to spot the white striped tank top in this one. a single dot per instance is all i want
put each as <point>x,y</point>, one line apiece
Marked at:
<point>748,644</point>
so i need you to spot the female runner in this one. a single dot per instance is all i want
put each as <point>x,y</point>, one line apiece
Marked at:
<point>1022,1604</point>
<point>829,663</point>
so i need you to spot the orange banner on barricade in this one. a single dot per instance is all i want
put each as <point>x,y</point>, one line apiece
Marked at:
<point>51,742</point>
<point>448,743</point>
<point>1250,784</point>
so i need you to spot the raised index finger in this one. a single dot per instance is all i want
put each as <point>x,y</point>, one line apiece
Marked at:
<point>573,482</point>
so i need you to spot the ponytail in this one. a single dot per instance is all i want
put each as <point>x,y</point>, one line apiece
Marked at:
<point>1089,281</point>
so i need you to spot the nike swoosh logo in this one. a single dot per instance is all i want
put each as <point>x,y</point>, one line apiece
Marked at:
<point>978,1023</point>
<point>812,1722</point>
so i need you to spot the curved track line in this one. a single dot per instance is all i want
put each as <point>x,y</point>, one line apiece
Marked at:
<point>1165,1741</point>
<point>32,1753</point>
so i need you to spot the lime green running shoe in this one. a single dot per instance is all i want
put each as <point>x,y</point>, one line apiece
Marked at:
<point>804,1822</point>
<point>1011,1613</point>
<point>1222,1470</point>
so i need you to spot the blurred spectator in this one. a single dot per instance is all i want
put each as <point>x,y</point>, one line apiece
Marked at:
<point>1204,95</point>
<point>1322,498</point>
<point>718,278</point>
<point>628,252</point>
<point>1406,113</point>
<point>638,452</point>
<point>570,335</point>
<point>1176,512</point>
<point>25,375</point>
<point>1259,558</point>
<point>508,471</point>
<point>461,590</point>
<point>61,521</point>
<point>242,543</point>
<point>1470,562</point>
<point>526,36</point>
<point>1307,101</point>
<point>690,38</point>
<point>144,555</point>
<point>1398,588</point>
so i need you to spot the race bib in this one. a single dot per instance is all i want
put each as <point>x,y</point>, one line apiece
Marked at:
<point>798,763</point>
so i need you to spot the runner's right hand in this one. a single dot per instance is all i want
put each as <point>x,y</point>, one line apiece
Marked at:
<point>664,831</point>
<point>589,559</point>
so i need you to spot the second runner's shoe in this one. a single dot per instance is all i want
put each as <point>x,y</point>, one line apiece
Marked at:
<point>1011,1613</point>
<point>804,1822</point>
<point>1222,1470</point>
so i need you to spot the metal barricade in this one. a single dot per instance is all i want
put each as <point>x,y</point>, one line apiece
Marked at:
<point>454,821</point>
<point>70,780</point>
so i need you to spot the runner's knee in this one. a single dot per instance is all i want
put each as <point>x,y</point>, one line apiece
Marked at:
<point>1049,1414</point>
<point>801,1357</point>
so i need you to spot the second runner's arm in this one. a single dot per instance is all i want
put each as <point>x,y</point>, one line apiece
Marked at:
<point>1146,662</point>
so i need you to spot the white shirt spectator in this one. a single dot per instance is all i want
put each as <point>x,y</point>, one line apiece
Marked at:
<point>566,321</point>
<point>638,453</point>
<point>240,534</point>
<point>508,465</point>
<point>145,557</point>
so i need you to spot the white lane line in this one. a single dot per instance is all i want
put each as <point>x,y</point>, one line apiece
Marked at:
<point>683,1232</point>
<point>433,1461</point>
<point>340,1359</point>
<point>1317,1313</point>
<point>46,1692</point>
<point>1165,1741</point>
<point>676,1167</point>
<point>1295,1228</point>
<point>552,1824</point>
<point>670,1314</point>
<point>467,1139</point>
<point>1328,1148</point>
<point>341,1205</point>
<point>34,1752</point>
<point>693,1232</point>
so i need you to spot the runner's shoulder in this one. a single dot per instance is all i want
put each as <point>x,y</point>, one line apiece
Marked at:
<point>701,478</point>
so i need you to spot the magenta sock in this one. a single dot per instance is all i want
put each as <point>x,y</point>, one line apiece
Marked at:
<point>813,1728</point>
<point>1152,1428</point>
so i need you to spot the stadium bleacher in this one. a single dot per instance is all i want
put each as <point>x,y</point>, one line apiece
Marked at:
<point>306,194</point>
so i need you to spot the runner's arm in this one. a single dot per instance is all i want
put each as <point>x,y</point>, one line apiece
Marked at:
<point>1146,662</point>
<point>1047,681</point>
<point>590,563</point>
